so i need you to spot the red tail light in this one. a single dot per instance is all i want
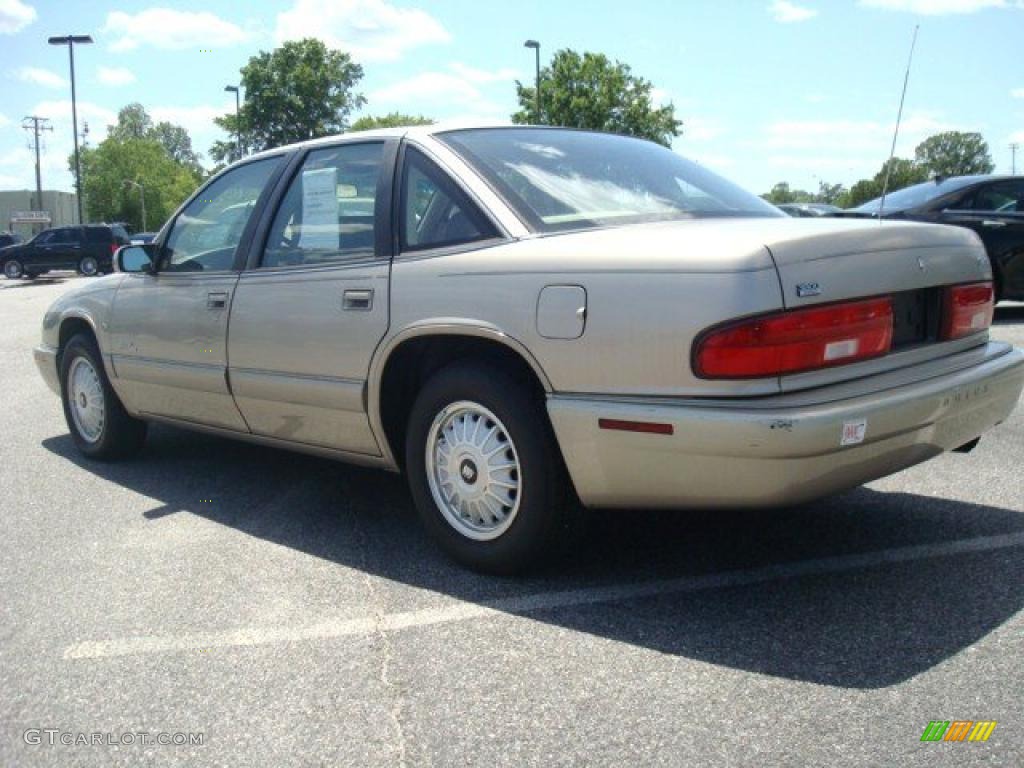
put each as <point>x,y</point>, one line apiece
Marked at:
<point>968,309</point>
<point>800,340</point>
<point>113,248</point>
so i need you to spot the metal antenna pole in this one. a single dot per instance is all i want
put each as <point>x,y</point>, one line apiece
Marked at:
<point>896,133</point>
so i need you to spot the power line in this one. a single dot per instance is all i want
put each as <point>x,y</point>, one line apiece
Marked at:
<point>37,124</point>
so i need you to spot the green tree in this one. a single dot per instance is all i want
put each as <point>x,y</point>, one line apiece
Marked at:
<point>903,173</point>
<point>829,193</point>
<point>299,91</point>
<point>146,161</point>
<point>390,120</point>
<point>782,193</point>
<point>954,153</point>
<point>177,142</point>
<point>133,122</point>
<point>590,91</point>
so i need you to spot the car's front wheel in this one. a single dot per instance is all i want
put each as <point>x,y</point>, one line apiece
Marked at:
<point>88,266</point>
<point>99,424</point>
<point>13,269</point>
<point>484,469</point>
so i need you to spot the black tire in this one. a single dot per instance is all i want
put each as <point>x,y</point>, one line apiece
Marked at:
<point>89,266</point>
<point>542,490</point>
<point>31,275</point>
<point>13,269</point>
<point>120,434</point>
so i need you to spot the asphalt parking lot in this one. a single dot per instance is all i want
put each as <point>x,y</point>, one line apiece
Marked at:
<point>292,611</point>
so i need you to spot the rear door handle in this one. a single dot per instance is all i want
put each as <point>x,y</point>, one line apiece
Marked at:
<point>358,299</point>
<point>993,224</point>
<point>216,300</point>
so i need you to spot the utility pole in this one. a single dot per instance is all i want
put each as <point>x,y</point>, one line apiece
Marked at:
<point>1013,158</point>
<point>36,124</point>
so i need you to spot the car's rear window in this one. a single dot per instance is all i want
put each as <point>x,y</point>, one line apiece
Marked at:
<point>560,179</point>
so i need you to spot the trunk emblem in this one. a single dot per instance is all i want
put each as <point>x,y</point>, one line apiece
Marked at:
<point>808,289</point>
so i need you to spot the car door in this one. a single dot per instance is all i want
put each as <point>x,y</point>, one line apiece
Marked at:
<point>168,330</point>
<point>996,212</point>
<point>61,250</point>
<point>313,306</point>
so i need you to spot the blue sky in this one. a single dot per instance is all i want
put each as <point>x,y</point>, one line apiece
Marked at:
<point>768,90</point>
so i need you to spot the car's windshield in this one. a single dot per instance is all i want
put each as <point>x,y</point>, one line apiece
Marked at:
<point>916,195</point>
<point>559,179</point>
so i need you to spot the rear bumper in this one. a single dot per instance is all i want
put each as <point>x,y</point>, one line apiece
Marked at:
<point>46,361</point>
<point>783,449</point>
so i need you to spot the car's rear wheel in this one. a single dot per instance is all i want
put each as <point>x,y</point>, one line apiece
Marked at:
<point>31,275</point>
<point>99,424</point>
<point>484,469</point>
<point>88,266</point>
<point>13,269</point>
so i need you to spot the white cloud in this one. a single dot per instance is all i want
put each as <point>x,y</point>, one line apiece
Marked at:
<point>845,137</point>
<point>4,120</point>
<point>40,76</point>
<point>700,129</point>
<point>15,16</point>
<point>1017,93</point>
<point>169,29</point>
<point>474,75</point>
<point>788,13</point>
<point>115,75</point>
<point>934,7</point>
<point>437,89</point>
<point>370,30</point>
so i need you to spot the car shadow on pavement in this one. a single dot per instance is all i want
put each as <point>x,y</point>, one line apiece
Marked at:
<point>860,627</point>
<point>10,285</point>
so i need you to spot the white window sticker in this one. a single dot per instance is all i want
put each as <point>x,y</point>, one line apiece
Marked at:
<point>319,209</point>
<point>853,432</point>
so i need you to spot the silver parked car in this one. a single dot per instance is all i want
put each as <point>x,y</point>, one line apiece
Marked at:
<point>511,314</point>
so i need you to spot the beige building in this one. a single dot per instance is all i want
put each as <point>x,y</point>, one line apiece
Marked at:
<point>20,214</point>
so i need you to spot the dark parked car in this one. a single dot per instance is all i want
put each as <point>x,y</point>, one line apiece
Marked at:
<point>87,249</point>
<point>8,238</point>
<point>808,210</point>
<point>993,206</point>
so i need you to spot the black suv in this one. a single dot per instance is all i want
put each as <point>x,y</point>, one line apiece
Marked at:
<point>8,238</point>
<point>88,249</point>
<point>993,206</point>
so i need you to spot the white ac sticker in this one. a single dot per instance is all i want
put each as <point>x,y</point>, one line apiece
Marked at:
<point>853,432</point>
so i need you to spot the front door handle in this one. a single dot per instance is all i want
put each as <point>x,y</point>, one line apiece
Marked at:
<point>216,300</point>
<point>359,299</point>
<point>993,224</point>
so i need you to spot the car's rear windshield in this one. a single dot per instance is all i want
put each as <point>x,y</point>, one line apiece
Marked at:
<point>560,179</point>
<point>917,195</point>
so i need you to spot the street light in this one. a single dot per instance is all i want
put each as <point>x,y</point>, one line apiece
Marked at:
<point>536,49</point>
<point>142,196</point>
<point>69,41</point>
<point>238,128</point>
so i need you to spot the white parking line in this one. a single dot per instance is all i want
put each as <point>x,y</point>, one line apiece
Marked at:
<point>465,611</point>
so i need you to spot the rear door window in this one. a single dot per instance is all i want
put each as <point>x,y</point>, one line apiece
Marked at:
<point>329,212</point>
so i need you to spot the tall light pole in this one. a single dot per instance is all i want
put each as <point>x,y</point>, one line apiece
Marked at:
<point>142,196</point>
<point>70,41</point>
<point>536,49</point>
<point>1013,158</point>
<point>238,128</point>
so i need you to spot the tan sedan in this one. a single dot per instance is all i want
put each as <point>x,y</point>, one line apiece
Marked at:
<point>513,314</point>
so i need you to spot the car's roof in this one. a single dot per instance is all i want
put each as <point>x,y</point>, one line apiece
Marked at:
<point>390,133</point>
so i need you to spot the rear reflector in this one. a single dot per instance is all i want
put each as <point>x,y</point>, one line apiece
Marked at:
<point>968,309</point>
<point>800,340</point>
<point>650,427</point>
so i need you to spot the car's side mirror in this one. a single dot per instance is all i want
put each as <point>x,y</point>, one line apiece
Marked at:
<point>135,258</point>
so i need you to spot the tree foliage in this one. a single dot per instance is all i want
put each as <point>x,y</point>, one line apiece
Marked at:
<point>390,120</point>
<point>159,157</point>
<point>590,91</point>
<point>133,122</point>
<point>954,153</point>
<point>903,173</point>
<point>301,90</point>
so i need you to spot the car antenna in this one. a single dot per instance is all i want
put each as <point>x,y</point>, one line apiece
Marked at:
<point>896,133</point>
